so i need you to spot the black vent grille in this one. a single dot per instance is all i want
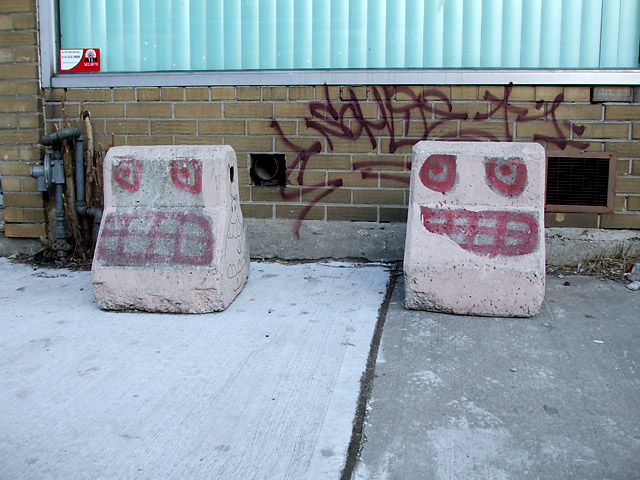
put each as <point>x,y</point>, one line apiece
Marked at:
<point>579,181</point>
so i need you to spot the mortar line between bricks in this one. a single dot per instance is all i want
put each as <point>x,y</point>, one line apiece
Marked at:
<point>366,381</point>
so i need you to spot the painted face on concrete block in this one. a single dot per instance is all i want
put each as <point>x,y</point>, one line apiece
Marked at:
<point>480,201</point>
<point>168,231</point>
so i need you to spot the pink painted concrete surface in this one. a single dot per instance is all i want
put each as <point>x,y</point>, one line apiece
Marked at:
<point>172,236</point>
<point>475,233</point>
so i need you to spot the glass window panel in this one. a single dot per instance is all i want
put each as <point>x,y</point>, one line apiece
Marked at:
<point>200,35</point>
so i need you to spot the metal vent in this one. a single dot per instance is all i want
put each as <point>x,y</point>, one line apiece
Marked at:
<point>580,182</point>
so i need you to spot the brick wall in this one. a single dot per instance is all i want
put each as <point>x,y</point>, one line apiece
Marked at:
<point>21,113</point>
<point>347,149</point>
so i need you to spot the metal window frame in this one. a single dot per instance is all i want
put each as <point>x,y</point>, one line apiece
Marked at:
<point>611,185</point>
<point>50,79</point>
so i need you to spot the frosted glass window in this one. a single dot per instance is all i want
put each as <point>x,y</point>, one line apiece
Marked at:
<point>214,35</point>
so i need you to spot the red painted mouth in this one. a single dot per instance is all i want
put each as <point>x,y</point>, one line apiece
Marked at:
<point>138,239</point>
<point>489,232</point>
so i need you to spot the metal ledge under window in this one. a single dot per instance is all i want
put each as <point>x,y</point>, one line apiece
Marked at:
<point>343,77</point>
<point>580,182</point>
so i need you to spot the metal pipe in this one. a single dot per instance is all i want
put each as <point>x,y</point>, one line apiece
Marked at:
<point>81,204</point>
<point>60,135</point>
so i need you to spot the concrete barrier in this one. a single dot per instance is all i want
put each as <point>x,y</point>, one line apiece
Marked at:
<point>172,236</point>
<point>475,231</point>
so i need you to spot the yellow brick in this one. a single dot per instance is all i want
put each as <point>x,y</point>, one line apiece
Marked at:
<point>148,94</point>
<point>250,144</point>
<point>385,146</point>
<point>529,129</point>
<point>620,220</point>
<point>378,197</point>
<point>636,130</point>
<point>24,22</point>
<point>623,167</point>
<point>628,184</point>
<point>301,93</point>
<point>173,127</point>
<point>635,167</point>
<point>221,127</point>
<point>308,178</point>
<point>257,210</point>
<point>547,94</point>
<point>8,88</point>
<point>379,162</point>
<point>19,105</point>
<point>624,149</point>
<point>124,94</point>
<point>105,110</point>
<point>28,88</point>
<point>26,54</point>
<point>247,93</point>
<point>198,140</point>
<point>29,120</point>
<point>18,71</point>
<point>25,200</point>
<point>291,211</point>
<point>16,38</point>
<point>11,185</point>
<point>393,215</point>
<point>127,127</point>
<point>578,112</point>
<point>604,130</point>
<point>153,140</point>
<point>352,214</point>
<point>14,215</point>
<point>326,195</point>
<point>292,110</point>
<point>466,92</point>
<point>19,136</point>
<point>274,93</point>
<point>354,179</point>
<point>305,143</point>
<point>263,127</point>
<point>29,185</point>
<point>395,180</point>
<point>622,112</point>
<point>198,110</point>
<point>8,169</point>
<point>517,93</point>
<point>77,95</point>
<point>100,94</point>
<point>329,162</point>
<point>363,144</point>
<point>274,194</point>
<point>6,22</point>
<point>28,230</point>
<point>633,203</point>
<point>620,203</point>
<point>197,93</point>
<point>17,6</point>
<point>248,110</point>
<point>148,110</point>
<point>431,92</point>
<point>577,94</point>
<point>32,215</point>
<point>223,93</point>
<point>172,94</point>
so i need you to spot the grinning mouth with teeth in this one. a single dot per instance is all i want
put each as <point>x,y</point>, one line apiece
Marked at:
<point>489,232</point>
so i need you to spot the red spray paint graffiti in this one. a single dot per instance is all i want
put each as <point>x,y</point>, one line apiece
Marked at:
<point>129,239</point>
<point>490,232</point>
<point>128,174</point>
<point>349,122</point>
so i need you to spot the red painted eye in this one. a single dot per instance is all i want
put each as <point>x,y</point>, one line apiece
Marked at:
<point>438,172</point>
<point>128,174</point>
<point>506,176</point>
<point>187,175</point>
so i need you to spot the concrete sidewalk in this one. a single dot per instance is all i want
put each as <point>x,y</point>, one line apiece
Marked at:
<point>268,389</point>
<point>553,396</point>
